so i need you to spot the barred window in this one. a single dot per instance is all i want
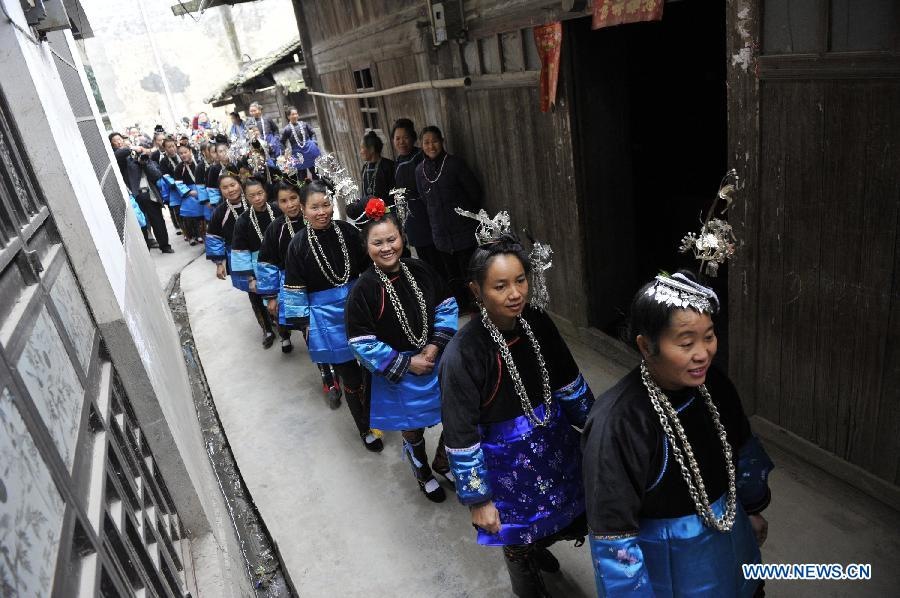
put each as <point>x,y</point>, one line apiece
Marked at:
<point>362,78</point>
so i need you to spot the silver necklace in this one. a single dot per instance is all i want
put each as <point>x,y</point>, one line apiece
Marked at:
<point>370,187</point>
<point>506,354</point>
<point>297,142</point>
<point>417,341</point>
<point>440,171</point>
<point>326,269</point>
<point>668,418</point>
<point>289,224</point>
<point>256,222</point>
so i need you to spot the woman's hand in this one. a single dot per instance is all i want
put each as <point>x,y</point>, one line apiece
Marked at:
<point>486,516</point>
<point>251,284</point>
<point>272,306</point>
<point>220,271</point>
<point>760,528</point>
<point>430,352</point>
<point>419,365</point>
<point>193,194</point>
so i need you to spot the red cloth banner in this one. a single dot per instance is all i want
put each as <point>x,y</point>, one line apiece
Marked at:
<point>548,39</point>
<point>619,12</point>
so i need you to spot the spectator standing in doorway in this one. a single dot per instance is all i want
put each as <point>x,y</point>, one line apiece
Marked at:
<point>445,182</point>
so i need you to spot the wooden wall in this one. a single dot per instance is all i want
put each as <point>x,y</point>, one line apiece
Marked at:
<point>522,157</point>
<point>828,339</point>
<point>814,291</point>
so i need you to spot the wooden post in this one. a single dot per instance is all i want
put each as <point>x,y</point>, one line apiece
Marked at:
<point>742,48</point>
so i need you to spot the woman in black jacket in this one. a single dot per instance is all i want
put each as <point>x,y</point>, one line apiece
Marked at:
<point>445,182</point>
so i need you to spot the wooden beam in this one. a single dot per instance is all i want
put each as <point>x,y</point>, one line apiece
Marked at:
<point>742,46</point>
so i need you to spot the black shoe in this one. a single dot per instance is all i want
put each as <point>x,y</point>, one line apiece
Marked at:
<point>432,491</point>
<point>268,340</point>
<point>545,560</point>
<point>167,249</point>
<point>193,242</point>
<point>333,398</point>
<point>372,443</point>
<point>152,244</point>
<point>525,578</point>
<point>286,345</point>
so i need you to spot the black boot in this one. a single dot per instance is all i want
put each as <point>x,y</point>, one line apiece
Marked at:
<point>418,460</point>
<point>524,573</point>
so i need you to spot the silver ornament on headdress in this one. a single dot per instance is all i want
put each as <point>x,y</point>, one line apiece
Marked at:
<point>400,204</point>
<point>715,242</point>
<point>490,230</point>
<point>541,258</point>
<point>680,291</point>
<point>329,167</point>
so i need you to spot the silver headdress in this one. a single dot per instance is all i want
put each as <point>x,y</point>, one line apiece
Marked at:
<point>401,205</point>
<point>680,291</point>
<point>716,241</point>
<point>329,167</point>
<point>490,230</point>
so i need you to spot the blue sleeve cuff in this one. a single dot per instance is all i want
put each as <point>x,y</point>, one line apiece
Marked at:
<point>753,470</point>
<point>242,262</point>
<point>576,399</point>
<point>268,278</point>
<point>202,195</point>
<point>215,248</point>
<point>182,188</point>
<point>213,195</point>
<point>296,305</point>
<point>619,568</point>
<point>472,484</point>
<point>446,321</point>
<point>380,358</point>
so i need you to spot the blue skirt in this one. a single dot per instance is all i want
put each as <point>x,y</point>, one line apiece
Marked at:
<point>535,474</point>
<point>686,558</point>
<point>190,207</point>
<point>412,403</point>
<point>327,332</point>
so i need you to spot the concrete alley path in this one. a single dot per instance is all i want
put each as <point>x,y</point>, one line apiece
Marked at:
<point>353,524</point>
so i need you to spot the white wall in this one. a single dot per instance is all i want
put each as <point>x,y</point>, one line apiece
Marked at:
<point>196,55</point>
<point>123,293</point>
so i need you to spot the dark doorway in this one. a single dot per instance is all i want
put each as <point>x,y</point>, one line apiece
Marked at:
<point>650,129</point>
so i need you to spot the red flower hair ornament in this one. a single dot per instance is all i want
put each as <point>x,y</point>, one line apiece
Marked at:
<point>375,209</point>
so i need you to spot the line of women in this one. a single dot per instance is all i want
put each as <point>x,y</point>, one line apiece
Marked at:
<point>661,473</point>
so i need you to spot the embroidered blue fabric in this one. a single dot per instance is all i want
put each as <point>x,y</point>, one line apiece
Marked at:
<point>296,305</point>
<point>240,282</point>
<point>268,278</point>
<point>753,469</point>
<point>215,248</point>
<point>619,567</point>
<point>446,322</point>
<point>163,187</point>
<point>327,341</point>
<point>138,212</point>
<point>400,400</point>
<point>172,191</point>
<point>472,483</point>
<point>678,557</point>
<point>190,205</point>
<point>213,195</point>
<point>535,476</point>
<point>576,399</point>
<point>243,262</point>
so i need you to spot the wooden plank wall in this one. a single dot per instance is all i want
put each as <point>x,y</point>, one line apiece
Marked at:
<point>827,341</point>
<point>522,157</point>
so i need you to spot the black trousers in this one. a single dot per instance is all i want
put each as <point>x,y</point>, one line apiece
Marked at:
<point>264,318</point>
<point>175,214</point>
<point>153,212</point>
<point>190,225</point>
<point>456,267</point>
<point>355,380</point>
